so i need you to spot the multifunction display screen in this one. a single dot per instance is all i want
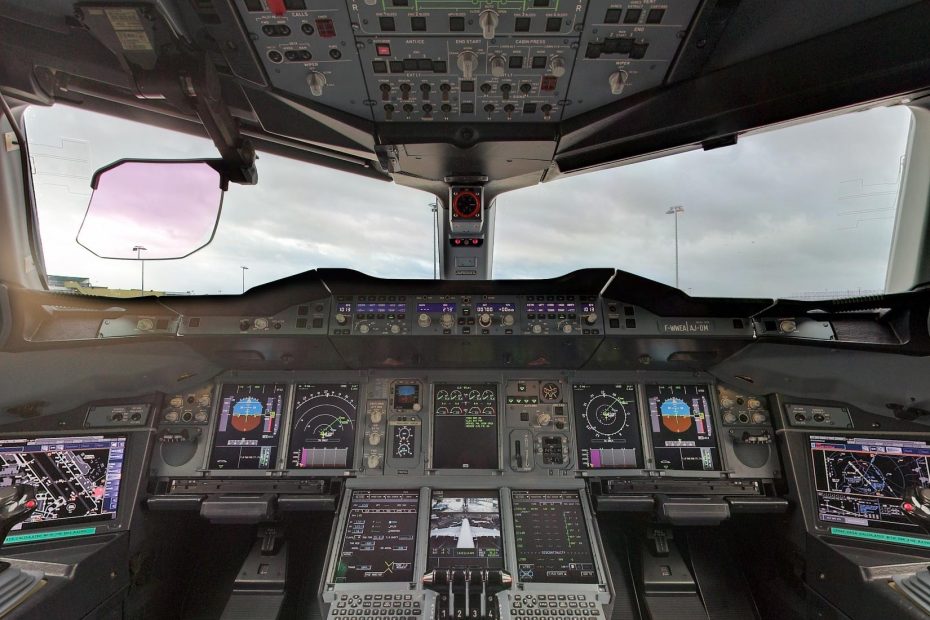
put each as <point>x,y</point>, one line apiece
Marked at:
<point>323,426</point>
<point>465,530</point>
<point>248,426</point>
<point>608,427</point>
<point>682,426</point>
<point>77,479</point>
<point>437,307</point>
<point>465,426</point>
<point>861,482</point>
<point>379,543</point>
<point>551,538</point>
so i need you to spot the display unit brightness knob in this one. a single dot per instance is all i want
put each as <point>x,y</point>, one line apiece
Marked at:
<point>374,438</point>
<point>373,461</point>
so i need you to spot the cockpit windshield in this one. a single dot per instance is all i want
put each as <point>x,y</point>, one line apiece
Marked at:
<point>805,211</point>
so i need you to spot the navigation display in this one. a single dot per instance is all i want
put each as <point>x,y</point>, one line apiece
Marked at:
<point>608,427</point>
<point>465,426</point>
<point>465,530</point>
<point>861,482</point>
<point>551,538</point>
<point>682,425</point>
<point>248,426</point>
<point>323,426</point>
<point>77,479</point>
<point>380,537</point>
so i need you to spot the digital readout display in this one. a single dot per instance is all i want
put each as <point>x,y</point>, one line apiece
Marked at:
<point>437,308</point>
<point>493,307</point>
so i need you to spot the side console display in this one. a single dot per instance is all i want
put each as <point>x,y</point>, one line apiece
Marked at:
<point>379,543</point>
<point>248,426</point>
<point>861,482</point>
<point>682,426</point>
<point>465,426</point>
<point>77,479</point>
<point>608,427</point>
<point>323,426</point>
<point>465,530</point>
<point>551,538</point>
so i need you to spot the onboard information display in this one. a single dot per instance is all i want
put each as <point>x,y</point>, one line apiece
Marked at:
<point>323,426</point>
<point>379,543</point>
<point>248,426</point>
<point>608,426</point>
<point>77,479</point>
<point>861,482</point>
<point>682,427</point>
<point>551,538</point>
<point>465,426</point>
<point>464,530</point>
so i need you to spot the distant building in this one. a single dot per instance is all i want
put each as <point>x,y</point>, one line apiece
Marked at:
<point>66,284</point>
<point>78,285</point>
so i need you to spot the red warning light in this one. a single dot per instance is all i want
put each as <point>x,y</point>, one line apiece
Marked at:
<point>383,49</point>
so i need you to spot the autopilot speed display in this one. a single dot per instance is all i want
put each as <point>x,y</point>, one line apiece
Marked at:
<point>323,426</point>
<point>608,427</point>
<point>861,482</point>
<point>379,542</point>
<point>551,538</point>
<point>465,530</point>
<point>248,426</point>
<point>465,426</point>
<point>682,427</point>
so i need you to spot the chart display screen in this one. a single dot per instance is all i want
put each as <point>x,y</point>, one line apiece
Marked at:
<point>682,425</point>
<point>465,426</point>
<point>608,427</point>
<point>323,426</point>
<point>77,479</point>
<point>465,530</point>
<point>379,543</point>
<point>551,538</point>
<point>248,426</point>
<point>861,482</point>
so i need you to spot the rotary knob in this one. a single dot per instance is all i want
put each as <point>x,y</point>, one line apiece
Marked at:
<point>375,416</point>
<point>617,81</point>
<point>543,419</point>
<point>498,66</point>
<point>176,401</point>
<point>374,438</point>
<point>758,418</point>
<point>754,403</point>
<point>591,319</point>
<point>341,319</point>
<point>467,63</point>
<point>488,20</point>
<point>395,329</point>
<point>316,81</point>
<point>364,328</point>
<point>729,418</point>
<point>537,329</point>
<point>557,66</point>
<point>424,320</point>
<point>373,461</point>
<point>507,320</point>
<point>204,401</point>
<point>567,328</point>
<point>485,320</point>
<point>447,320</point>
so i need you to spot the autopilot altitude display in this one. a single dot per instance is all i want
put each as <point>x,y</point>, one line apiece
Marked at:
<point>682,426</point>
<point>248,426</point>
<point>465,426</point>
<point>465,530</point>
<point>608,427</point>
<point>861,482</point>
<point>551,538</point>
<point>323,426</point>
<point>77,479</point>
<point>379,543</point>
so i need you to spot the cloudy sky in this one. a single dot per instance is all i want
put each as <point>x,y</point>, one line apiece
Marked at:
<point>793,211</point>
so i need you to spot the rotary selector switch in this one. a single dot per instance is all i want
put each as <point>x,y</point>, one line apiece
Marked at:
<point>617,81</point>
<point>488,19</point>
<point>557,66</point>
<point>498,66</point>
<point>424,320</point>
<point>447,321</point>
<point>373,461</point>
<point>316,81</point>
<point>507,320</point>
<point>484,320</point>
<point>467,63</point>
<point>374,437</point>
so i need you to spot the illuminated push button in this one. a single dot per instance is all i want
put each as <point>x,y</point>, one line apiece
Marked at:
<point>30,504</point>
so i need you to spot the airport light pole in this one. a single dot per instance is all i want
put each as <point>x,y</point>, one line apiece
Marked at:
<point>675,211</point>
<point>138,249</point>
<point>244,269</point>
